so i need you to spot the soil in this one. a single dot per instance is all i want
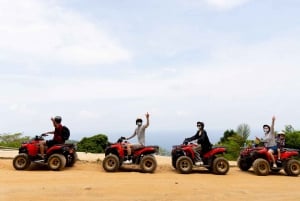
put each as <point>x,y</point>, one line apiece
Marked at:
<point>87,181</point>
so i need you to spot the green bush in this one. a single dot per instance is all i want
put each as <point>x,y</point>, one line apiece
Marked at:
<point>94,144</point>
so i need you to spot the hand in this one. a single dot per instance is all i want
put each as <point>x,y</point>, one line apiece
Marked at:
<point>147,115</point>
<point>273,118</point>
<point>257,139</point>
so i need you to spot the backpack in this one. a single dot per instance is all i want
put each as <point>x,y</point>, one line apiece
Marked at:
<point>65,133</point>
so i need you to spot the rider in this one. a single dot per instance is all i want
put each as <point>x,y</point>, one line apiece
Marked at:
<point>203,142</point>
<point>140,133</point>
<point>280,140</point>
<point>57,135</point>
<point>269,140</point>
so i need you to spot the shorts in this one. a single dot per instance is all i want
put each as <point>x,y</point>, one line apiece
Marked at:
<point>273,148</point>
<point>50,143</point>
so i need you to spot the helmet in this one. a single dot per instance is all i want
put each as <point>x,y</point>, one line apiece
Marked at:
<point>57,119</point>
<point>281,133</point>
<point>199,123</point>
<point>138,120</point>
<point>267,126</point>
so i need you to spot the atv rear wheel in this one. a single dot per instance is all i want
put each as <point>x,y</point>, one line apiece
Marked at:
<point>220,166</point>
<point>111,163</point>
<point>21,162</point>
<point>292,167</point>
<point>148,164</point>
<point>243,165</point>
<point>261,167</point>
<point>57,162</point>
<point>184,164</point>
<point>71,159</point>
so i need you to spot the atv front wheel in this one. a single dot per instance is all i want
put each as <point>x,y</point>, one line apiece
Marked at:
<point>220,166</point>
<point>21,162</point>
<point>57,162</point>
<point>184,164</point>
<point>292,167</point>
<point>261,167</point>
<point>111,163</point>
<point>242,164</point>
<point>148,164</point>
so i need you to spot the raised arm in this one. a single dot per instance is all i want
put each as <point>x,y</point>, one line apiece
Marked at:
<point>273,125</point>
<point>147,120</point>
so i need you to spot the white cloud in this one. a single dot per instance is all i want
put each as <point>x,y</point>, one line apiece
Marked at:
<point>226,4</point>
<point>38,31</point>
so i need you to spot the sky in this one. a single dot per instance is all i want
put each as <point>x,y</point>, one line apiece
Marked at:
<point>101,64</point>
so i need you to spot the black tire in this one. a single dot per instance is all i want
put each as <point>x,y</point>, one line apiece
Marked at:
<point>148,164</point>
<point>57,162</point>
<point>184,164</point>
<point>21,162</point>
<point>71,159</point>
<point>173,163</point>
<point>111,163</point>
<point>261,167</point>
<point>220,166</point>
<point>292,167</point>
<point>243,165</point>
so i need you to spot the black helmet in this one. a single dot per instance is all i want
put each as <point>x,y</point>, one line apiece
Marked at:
<point>57,119</point>
<point>267,126</point>
<point>199,123</point>
<point>138,120</point>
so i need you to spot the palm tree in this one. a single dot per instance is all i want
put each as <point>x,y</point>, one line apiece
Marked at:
<point>243,130</point>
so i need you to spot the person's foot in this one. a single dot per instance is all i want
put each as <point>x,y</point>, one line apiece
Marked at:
<point>274,165</point>
<point>198,163</point>
<point>127,162</point>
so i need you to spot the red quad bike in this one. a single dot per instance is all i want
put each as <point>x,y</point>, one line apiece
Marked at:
<point>56,157</point>
<point>260,160</point>
<point>183,159</point>
<point>116,154</point>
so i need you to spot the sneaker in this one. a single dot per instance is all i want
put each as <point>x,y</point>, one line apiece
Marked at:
<point>274,165</point>
<point>127,162</point>
<point>198,163</point>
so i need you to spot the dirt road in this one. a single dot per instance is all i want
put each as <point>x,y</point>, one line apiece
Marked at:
<point>87,181</point>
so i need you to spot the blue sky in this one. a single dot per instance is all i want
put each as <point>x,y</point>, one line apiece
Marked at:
<point>101,64</point>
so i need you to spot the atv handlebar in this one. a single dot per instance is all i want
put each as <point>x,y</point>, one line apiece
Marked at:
<point>185,142</point>
<point>121,139</point>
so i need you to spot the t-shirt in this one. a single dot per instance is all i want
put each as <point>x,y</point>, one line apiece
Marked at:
<point>58,134</point>
<point>269,140</point>
<point>140,132</point>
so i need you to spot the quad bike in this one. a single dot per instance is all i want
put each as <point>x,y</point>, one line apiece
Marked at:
<point>260,160</point>
<point>183,159</point>
<point>116,154</point>
<point>56,157</point>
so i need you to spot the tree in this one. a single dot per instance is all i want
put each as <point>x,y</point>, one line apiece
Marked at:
<point>226,136</point>
<point>292,137</point>
<point>234,140</point>
<point>12,140</point>
<point>94,144</point>
<point>243,130</point>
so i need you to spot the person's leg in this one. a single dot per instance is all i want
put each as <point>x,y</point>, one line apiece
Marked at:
<point>279,154</point>
<point>128,149</point>
<point>198,159</point>
<point>42,148</point>
<point>270,151</point>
